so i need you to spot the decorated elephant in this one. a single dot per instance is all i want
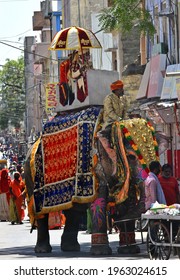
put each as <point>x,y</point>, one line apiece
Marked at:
<point>69,168</point>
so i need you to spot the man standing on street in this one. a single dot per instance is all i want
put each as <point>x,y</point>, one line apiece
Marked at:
<point>169,185</point>
<point>153,189</point>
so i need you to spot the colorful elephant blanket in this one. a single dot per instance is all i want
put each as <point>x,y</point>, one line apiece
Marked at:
<point>64,159</point>
<point>61,161</point>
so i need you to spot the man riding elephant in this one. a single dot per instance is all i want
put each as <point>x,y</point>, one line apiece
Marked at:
<point>114,109</point>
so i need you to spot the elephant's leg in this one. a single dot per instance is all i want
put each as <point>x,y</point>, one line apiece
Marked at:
<point>69,241</point>
<point>43,240</point>
<point>127,242</point>
<point>99,238</point>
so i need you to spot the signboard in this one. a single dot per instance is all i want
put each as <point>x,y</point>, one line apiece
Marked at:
<point>51,99</point>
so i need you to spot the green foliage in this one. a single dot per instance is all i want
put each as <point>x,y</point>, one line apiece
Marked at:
<point>12,93</point>
<point>123,15</point>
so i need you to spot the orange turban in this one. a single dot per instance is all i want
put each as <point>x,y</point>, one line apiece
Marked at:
<point>116,85</point>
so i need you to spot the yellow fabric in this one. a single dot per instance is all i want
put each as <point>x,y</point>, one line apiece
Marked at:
<point>32,161</point>
<point>114,108</point>
<point>121,192</point>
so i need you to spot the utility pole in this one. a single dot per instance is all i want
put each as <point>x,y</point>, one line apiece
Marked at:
<point>143,38</point>
<point>79,14</point>
<point>39,104</point>
<point>176,24</point>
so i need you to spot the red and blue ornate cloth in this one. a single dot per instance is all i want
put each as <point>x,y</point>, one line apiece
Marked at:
<point>63,161</point>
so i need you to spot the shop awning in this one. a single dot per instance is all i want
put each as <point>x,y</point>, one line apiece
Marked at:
<point>171,85</point>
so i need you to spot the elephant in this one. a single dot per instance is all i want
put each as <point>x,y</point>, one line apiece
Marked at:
<point>70,168</point>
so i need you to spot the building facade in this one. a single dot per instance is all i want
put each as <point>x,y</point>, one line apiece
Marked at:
<point>158,93</point>
<point>117,52</point>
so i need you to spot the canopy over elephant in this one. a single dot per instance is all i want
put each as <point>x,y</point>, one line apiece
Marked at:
<point>69,167</point>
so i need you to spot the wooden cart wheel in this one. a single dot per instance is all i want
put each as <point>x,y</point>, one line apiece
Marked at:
<point>159,233</point>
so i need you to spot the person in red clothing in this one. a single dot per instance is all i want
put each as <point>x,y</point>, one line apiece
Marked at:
<point>17,192</point>
<point>169,185</point>
<point>5,181</point>
<point>170,188</point>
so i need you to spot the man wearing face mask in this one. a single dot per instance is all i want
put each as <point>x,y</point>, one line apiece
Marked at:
<point>169,185</point>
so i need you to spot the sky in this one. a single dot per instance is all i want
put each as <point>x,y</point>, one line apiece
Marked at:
<point>15,25</point>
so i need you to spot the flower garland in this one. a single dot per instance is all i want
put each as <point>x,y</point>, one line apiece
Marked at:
<point>127,134</point>
<point>155,144</point>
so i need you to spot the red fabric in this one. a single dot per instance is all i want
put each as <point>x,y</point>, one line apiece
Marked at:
<point>81,95</point>
<point>84,38</point>
<point>56,220</point>
<point>176,171</point>
<point>4,181</point>
<point>64,36</point>
<point>17,188</point>
<point>62,40</point>
<point>60,155</point>
<point>170,189</point>
<point>64,68</point>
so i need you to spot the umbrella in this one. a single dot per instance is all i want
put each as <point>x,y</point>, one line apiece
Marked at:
<point>74,38</point>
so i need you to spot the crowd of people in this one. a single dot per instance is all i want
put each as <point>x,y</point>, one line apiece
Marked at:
<point>161,186</point>
<point>13,193</point>
<point>12,197</point>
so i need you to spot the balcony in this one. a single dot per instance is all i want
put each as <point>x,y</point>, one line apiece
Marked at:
<point>39,21</point>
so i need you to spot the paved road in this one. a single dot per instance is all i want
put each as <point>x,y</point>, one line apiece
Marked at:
<point>16,242</point>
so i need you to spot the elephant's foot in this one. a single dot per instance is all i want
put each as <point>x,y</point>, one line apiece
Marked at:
<point>69,242</point>
<point>129,249</point>
<point>43,248</point>
<point>68,247</point>
<point>127,243</point>
<point>101,250</point>
<point>100,244</point>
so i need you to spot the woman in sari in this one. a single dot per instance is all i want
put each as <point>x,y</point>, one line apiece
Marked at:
<point>17,192</point>
<point>5,181</point>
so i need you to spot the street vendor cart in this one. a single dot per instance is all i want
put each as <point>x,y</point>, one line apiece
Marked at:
<point>163,234</point>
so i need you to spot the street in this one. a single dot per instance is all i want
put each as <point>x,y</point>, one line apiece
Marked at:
<point>16,242</point>
<point>17,257</point>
